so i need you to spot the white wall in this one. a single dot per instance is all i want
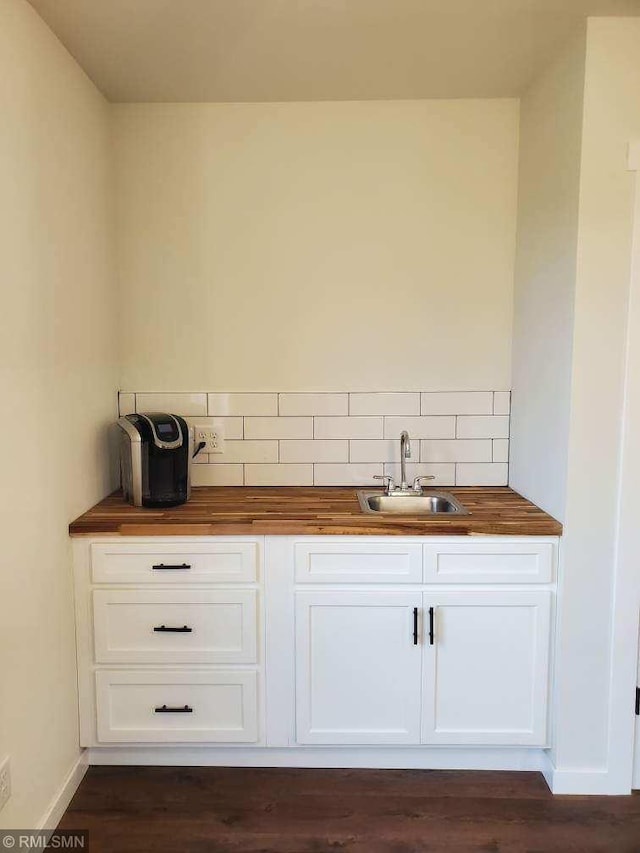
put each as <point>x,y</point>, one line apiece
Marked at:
<point>545,278</point>
<point>317,246</point>
<point>611,121</point>
<point>58,379</point>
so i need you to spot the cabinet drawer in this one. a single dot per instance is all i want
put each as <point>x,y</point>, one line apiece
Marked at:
<point>499,562</point>
<point>177,707</point>
<point>181,563</point>
<point>173,626</point>
<point>357,562</point>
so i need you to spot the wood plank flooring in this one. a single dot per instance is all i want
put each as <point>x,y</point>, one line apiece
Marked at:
<point>213,809</point>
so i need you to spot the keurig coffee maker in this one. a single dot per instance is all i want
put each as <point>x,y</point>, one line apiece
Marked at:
<point>155,459</point>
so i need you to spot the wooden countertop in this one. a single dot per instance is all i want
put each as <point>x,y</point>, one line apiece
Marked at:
<point>225,511</point>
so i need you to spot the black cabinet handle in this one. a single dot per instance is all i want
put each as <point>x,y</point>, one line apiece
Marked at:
<point>161,566</point>
<point>162,629</point>
<point>431,626</point>
<point>415,626</point>
<point>166,709</point>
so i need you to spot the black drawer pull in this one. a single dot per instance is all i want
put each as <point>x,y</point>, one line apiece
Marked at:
<point>163,629</point>
<point>431,626</point>
<point>415,626</point>
<point>166,709</point>
<point>161,566</point>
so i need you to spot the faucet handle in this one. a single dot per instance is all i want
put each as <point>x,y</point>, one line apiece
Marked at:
<point>388,481</point>
<point>418,480</point>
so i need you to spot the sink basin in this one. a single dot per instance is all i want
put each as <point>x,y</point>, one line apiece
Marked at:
<point>429,503</point>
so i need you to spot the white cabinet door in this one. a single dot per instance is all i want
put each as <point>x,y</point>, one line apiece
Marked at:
<point>357,668</point>
<point>486,672</point>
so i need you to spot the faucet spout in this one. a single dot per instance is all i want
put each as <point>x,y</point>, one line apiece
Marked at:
<point>405,453</point>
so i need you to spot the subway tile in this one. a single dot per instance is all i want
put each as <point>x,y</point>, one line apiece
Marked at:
<point>445,474</point>
<point>126,403</point>
<point>383,450</point>
<point>242,404</point>
<point>314,404</point>
<point>400,403</point>
<point>175,404</point>
<point>456,450</point>
<point>421,427</point>
<point>217,475</point>
<point>502,403</point>
<point>491,426</point>
<point>479,474</point>
<point>500,450</point>
<point>246,451</point>
<point>201,459</point>
<point>278,427</point>
<point>456,403</point>
<point>278,475</point>
<point>314,451</point>
<point>346,475</point>
<point>231,428</point>
<point>347,427</point>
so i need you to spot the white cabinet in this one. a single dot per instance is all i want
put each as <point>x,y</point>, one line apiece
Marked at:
<point>485,674</point>
<point>357,668</point>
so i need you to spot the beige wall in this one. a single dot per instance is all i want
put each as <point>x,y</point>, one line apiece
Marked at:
<point>58,387</point>
<point>545,277</point>
<point>316,246</point>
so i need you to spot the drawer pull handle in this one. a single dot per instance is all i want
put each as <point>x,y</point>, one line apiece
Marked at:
<point>161,566</point>
<point>431,626</point>
<point>166,709</point>
<point>415,626</point>
<point>162,629</point>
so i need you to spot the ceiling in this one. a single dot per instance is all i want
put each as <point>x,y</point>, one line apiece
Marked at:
<point>300,50</point>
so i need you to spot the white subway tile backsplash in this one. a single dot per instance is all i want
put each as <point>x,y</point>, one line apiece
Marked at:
<point>491,426</point>
<point>314,404</point>
<point>314,451</point>
<point>278,427</point>
<point>421,427</point>
<point>126,404</point>
<point>456,450</point>
<point>457,403</point>
<point>242,404</point>
<point>278,475</point>
<point>175,404</point>
<point>393,403</point>
<point>384,450</point>
<point>479,474</point>
<point>246,451</point>
<point>502,403</point>
<point>500,450</point>
<point>347,427</point>
<point>444,474</point>
<point>217,475</point>
<point>343,438</point>
<point>231,428</point>
<point>346,475</point>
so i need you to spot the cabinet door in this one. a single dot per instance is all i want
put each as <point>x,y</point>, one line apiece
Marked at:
<point>357,668</point>
<point>486,673</point>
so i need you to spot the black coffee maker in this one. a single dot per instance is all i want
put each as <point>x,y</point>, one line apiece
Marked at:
<point>155,459</point>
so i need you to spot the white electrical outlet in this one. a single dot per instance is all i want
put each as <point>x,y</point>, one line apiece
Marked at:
<point>213,437</point>
<point>5,782</point>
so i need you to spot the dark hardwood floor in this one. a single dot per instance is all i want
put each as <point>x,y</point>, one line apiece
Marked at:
<point>213,809</point>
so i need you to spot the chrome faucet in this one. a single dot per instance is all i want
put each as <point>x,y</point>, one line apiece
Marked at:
<point>405,453</point>
<point>403,488</point>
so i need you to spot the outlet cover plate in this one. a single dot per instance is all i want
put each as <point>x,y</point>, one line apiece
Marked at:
<point>212,435</point>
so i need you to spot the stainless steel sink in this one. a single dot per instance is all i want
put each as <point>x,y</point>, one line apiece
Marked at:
<point>429,503</point>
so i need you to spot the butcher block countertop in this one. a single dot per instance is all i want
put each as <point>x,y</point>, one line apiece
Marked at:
<point>226,511</point>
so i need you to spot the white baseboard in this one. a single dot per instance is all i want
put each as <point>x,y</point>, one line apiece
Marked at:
<point>439,758</point>
<point>597,782</point>
<point>64,795</point>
